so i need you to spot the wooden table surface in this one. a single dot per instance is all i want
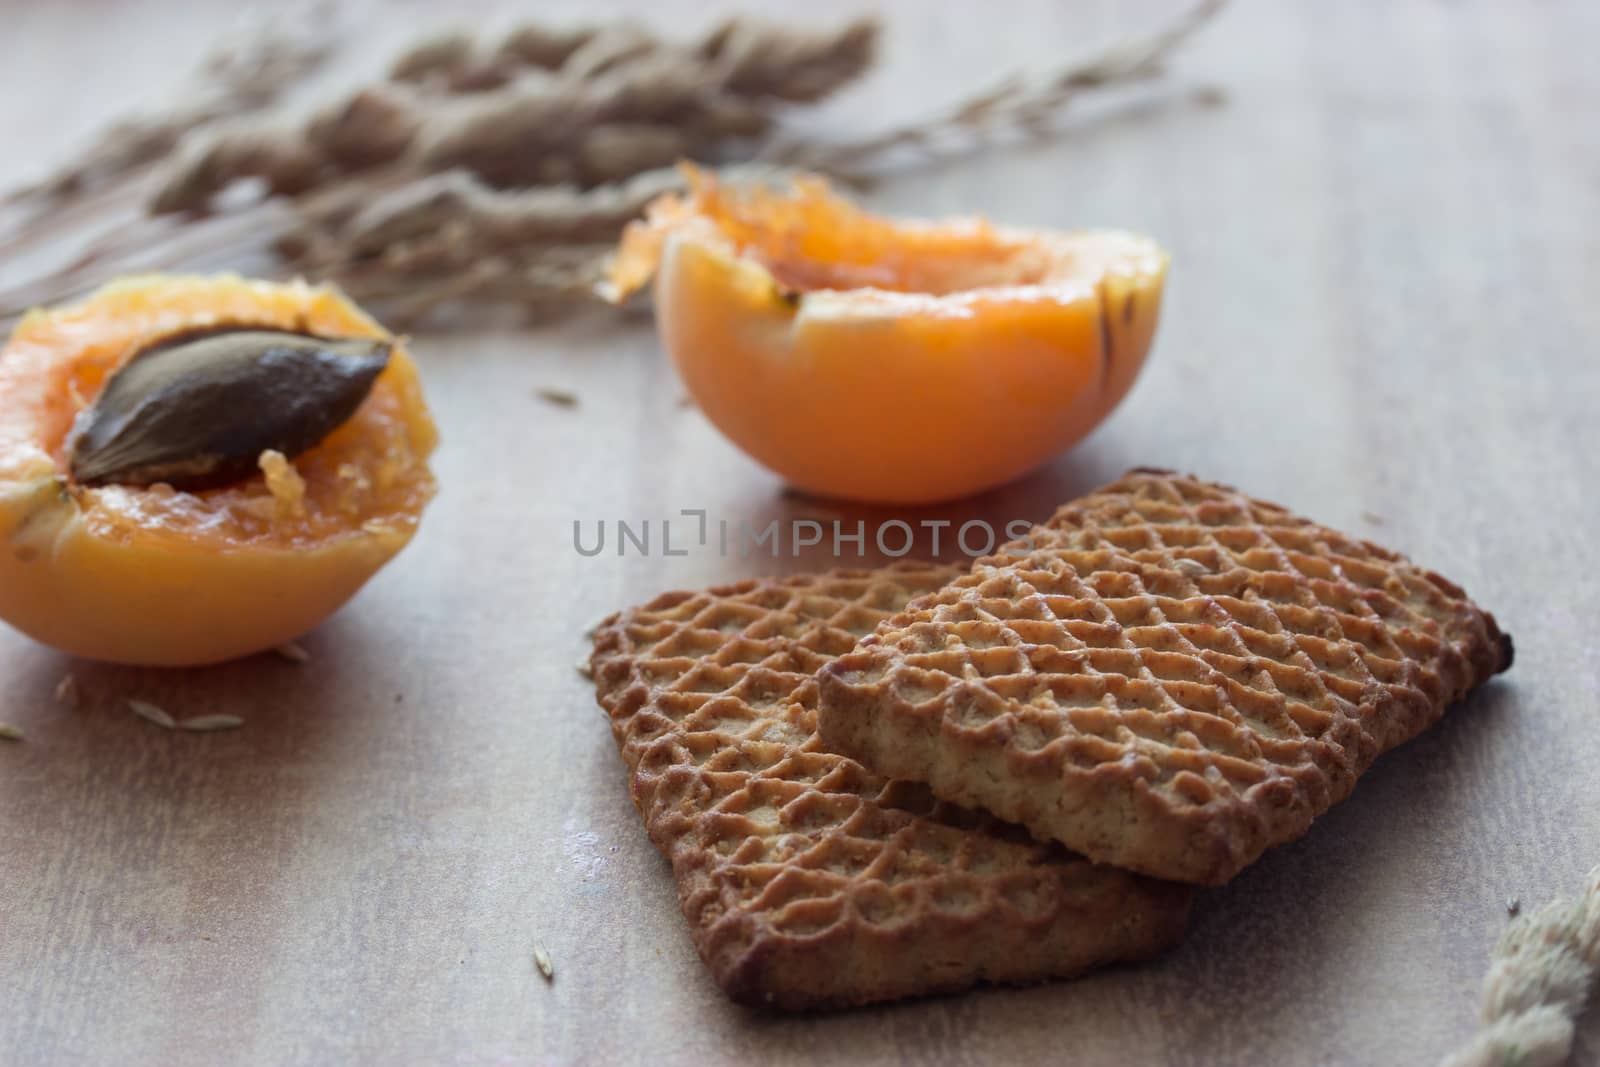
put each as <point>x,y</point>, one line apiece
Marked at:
<point>1382,314</point>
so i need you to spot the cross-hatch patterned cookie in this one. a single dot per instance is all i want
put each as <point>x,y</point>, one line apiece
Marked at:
<point>1167,676</point>
<point>806,881</point>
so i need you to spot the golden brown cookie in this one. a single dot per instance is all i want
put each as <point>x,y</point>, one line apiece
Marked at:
<point>1168,676</point>
<point>807,881</point>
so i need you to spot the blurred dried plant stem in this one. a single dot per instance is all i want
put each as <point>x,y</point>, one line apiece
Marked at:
<point>483,174</point>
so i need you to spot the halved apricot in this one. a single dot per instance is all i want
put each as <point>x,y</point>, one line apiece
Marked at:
<point>890,360</point>
<point>159,576</point>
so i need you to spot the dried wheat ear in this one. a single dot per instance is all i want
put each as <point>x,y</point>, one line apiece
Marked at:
<point>487,174</point>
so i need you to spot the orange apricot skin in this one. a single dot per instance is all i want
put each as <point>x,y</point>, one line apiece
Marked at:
<point>165,606</point>
<point>158,594</point>
<point>900,397</point>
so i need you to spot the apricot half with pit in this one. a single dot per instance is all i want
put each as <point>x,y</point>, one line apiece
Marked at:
<point>155,514</point>
<point>890,360</point>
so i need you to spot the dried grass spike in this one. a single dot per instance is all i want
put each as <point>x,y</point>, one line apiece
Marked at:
<point>542,47</point>
<point>375,125</point>
<point>563,120</point>
<point>504,137</point>
<point>210,164</point>
<point>608,48</point>
<point>782,63</point>
<point>612,153</point>
<point>435,56</point>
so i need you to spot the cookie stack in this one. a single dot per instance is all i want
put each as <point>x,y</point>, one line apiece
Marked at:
<point>876,784</point>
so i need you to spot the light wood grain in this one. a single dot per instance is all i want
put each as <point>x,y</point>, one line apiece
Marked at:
<point>1386,254</point>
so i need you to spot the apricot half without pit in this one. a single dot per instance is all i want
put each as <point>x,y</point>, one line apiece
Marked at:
<point>890,360</point>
